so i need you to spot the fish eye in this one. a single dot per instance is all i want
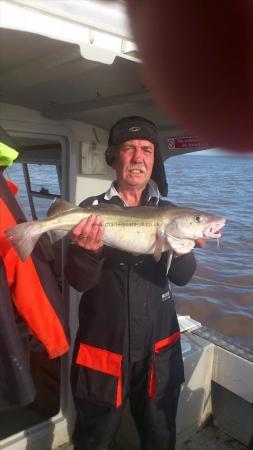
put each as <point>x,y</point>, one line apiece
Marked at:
<point>198,219</point>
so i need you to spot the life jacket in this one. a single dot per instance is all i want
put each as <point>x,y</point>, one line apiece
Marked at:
<point>32,285</point>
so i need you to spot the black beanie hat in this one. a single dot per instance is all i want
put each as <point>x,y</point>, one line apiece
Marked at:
<point>136,127</point>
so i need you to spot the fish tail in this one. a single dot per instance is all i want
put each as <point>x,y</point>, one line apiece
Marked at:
<point>23,238</point>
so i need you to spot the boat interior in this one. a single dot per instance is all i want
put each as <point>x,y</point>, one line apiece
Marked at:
<point>59,97</point>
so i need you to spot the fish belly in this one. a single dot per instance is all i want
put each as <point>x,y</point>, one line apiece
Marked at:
<point>131,239</point>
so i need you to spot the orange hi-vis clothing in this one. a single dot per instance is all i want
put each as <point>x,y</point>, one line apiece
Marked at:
<point>32,285</point>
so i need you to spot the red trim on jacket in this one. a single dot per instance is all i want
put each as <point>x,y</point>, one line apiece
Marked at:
<point>160,346</point>
<point>104,361</point>
<point>13,188</point>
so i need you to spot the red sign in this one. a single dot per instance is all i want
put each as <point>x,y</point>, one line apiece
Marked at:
<point>186,142</point>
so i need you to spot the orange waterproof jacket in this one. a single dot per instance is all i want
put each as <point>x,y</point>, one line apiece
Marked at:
<point>32,284</point>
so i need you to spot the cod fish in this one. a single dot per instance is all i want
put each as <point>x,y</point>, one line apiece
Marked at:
<point>138,230</point>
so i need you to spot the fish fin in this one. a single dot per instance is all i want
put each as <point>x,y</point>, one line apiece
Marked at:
<point>56,235</point>
<point>170,254</point>
<point>180,246</point>
<point>23,237</point>
<point>120,207</point>
<point>60,206</point>
<point>142,208</point>
<point>158,246</point>
<point>105,205</point>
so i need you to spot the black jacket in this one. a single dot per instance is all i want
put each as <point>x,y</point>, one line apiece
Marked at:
<point>126,313</point>
<point>16,384</point>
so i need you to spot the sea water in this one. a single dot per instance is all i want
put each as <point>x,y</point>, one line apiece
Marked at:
<point>220,294</point>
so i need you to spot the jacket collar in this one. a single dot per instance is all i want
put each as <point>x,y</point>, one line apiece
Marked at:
<point>151,192</point>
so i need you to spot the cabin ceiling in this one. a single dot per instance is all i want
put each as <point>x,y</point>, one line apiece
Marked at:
<point>52,77</point>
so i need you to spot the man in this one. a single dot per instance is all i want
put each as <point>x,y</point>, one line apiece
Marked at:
<point>128,342</point>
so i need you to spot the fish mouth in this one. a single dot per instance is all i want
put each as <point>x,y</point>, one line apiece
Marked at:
<point>213,230</point>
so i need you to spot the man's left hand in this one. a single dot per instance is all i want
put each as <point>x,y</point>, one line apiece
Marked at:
<point>200,243</point>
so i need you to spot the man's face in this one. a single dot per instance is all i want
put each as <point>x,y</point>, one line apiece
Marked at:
<point>134,163</point>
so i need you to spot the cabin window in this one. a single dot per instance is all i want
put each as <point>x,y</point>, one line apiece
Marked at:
<point>39,185</point>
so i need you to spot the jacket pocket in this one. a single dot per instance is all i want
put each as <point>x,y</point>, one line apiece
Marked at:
<point>99,375</point>
<point>167,369</point>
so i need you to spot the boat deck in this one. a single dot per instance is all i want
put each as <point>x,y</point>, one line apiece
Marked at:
<point>209,438</point>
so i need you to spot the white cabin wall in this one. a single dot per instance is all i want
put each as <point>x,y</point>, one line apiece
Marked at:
<point>88,184</point>
<point>23,121</point>
<point>87,187</point>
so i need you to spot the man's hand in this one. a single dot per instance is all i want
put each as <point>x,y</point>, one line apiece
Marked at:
<point>88,234</point>
<point>200,243</point>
